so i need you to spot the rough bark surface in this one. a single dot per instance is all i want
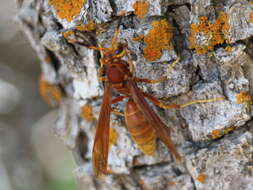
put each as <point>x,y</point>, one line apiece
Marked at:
<point>215,138</point>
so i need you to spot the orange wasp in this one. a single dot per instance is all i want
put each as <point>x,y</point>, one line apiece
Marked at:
<point>142,121</point>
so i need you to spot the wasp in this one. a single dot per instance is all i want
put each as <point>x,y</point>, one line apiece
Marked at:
<point>142,121</point>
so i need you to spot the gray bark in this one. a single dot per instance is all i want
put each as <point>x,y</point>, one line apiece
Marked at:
<point>225,162</point>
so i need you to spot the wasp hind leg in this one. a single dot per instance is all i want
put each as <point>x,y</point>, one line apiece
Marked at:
<point>149,80</point>
<point>178,106</point>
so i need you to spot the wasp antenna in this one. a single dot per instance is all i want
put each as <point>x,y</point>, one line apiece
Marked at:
<point>116,35</point>
<point>102,51</point>
<point>115,38</point>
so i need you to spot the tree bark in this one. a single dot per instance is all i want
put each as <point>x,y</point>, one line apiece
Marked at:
<point>213,41</point>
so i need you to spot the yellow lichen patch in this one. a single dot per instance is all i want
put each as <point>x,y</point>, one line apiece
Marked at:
<point>228,130</point>
<point>138,38</point>
<point>112,137</point>
<point>67,9</point>
<point>201,178</point>
<point>87,113</point>
<point>87,27</point>
<point>51,93</point>
<point>211,33</point>
<point>243,97</point>
<point>158,39</point>
<point>141,8</point>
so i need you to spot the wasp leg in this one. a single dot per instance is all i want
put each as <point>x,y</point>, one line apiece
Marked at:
<point>149,80</point>
<point>176,106</point>
<point>117,99</point>
<point>130,62</point>
<point>115,38</point>
<point>116,112</point>
<point>160,104</point>
<point>201,101</point>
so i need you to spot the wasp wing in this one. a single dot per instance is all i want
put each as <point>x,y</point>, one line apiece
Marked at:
<point>101,142</point>
<point>162,131</point>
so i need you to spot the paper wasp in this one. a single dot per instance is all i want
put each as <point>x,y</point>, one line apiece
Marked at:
<point>142,121</point>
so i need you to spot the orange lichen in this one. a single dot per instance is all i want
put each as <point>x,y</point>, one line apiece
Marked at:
<point>243,97</point>
<point>66,34</point>
<point>251,14</point>
<point>213,33</point>
<point>87,27</point>
<point>217,133</point>
<point>246,99</point>
<point>138,38</point>
<point>201,178</point>
<point>67,9</point>
<point>141,8</point>
<point>158,39</point>
<point>50,93</point>
<point>152,54</point>
<point>251,17</point>
<point>113,136</point>
<point>87,113</point>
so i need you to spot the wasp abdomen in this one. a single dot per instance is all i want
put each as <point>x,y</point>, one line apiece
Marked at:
<point>141,131</point>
